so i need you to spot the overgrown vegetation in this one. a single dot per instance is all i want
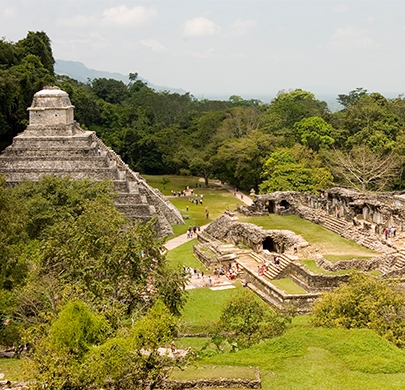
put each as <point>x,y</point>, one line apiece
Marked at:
<point>94,296</point>
<point>293,143</point>
<point>365,302</point>
<point>75,274</point>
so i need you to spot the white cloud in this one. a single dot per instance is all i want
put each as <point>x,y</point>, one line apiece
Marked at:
<point>338,8</point>
<point>350,38</point>
<point>199,27</point>
<point>123,16</point>
<point>206,54</point>
<point>241,27</point>
<point>77,21</point>
<point>8,12</point>
<point>153,45</point>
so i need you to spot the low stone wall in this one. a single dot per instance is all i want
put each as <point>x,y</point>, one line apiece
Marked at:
<point>217,383</point>
<point>206,260</point>
<point>314,282</point>
<point>227,229</point>
<point>302,302</point>
<point>358,264</point>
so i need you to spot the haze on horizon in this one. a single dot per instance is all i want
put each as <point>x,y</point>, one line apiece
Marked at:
<point>226,47</point>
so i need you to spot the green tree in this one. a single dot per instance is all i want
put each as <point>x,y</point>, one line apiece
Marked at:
<point>38,44</point>
<point>284,172</point>
<point>57,358</point>
<point>364,302</point>
<point>134,361</point>
<point>110,90</point>
<point>352,97</point>
<point>296,105</point>
<point>79,350</point>
<point>250,320</point>
<point>314,132</point>
<point>239,161</point>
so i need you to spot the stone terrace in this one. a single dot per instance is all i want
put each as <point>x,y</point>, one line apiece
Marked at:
<point>54,144</point>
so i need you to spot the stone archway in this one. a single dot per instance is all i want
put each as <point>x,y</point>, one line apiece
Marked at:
<point>269,244</point>
<point>271,206</point>
<point>285,204</point>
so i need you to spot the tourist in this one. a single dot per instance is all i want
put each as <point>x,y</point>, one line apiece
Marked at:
<point>210,281</point>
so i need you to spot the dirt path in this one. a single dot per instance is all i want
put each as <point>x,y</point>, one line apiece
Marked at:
<point>182,239</point>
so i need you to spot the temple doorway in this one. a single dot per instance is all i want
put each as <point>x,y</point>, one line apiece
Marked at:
<point>268,244</point>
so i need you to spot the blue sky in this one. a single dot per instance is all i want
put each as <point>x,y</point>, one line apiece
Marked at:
<point>226,47</point>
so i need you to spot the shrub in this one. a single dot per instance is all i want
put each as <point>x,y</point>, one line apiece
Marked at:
<point>364,302</point>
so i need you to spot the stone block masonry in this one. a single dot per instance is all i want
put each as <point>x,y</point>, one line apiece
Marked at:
<point>53,144</point>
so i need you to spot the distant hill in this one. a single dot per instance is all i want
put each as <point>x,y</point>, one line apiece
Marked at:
<point>80,72</point>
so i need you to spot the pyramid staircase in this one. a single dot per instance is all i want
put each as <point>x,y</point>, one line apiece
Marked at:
<point>254,260</point>
<point>53,144</point>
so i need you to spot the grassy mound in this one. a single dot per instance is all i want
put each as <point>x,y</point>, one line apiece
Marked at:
<point>316,358</point>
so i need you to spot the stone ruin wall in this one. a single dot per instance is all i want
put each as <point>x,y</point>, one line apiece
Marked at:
<point>54,144</point>
<point>153,195</point>
<point>227,229</point>
<point>374,212</point>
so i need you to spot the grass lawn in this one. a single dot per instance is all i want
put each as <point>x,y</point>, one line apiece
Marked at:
<point>215,198</point>
<point>288,286</point>
<point>217,201</point>
<point>331,245</point>
<point>176,183</point>
<point>311,266</point>
<point>183,256</point>
<point>316,358</point>
<point>203,308</point>
<point>12,369</point>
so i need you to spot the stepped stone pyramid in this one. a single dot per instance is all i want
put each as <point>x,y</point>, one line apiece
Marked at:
<point>54,144</point>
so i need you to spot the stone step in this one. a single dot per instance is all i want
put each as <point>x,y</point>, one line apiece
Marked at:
<point>335,225</point>
<point>44,143</point>
<point>34,174</point>
<point>273,271</point>
<point>61,151</point>
<point>137,211</point>
<point>130,198</point>
<point>255,256</point>
<point>54,162</point>
<point>399,261</point>
<point>121,186</point>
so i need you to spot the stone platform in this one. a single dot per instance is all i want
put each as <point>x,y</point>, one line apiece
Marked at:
<point>53,144</point>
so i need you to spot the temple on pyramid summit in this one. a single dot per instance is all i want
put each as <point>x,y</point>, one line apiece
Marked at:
<point>54,144</point>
